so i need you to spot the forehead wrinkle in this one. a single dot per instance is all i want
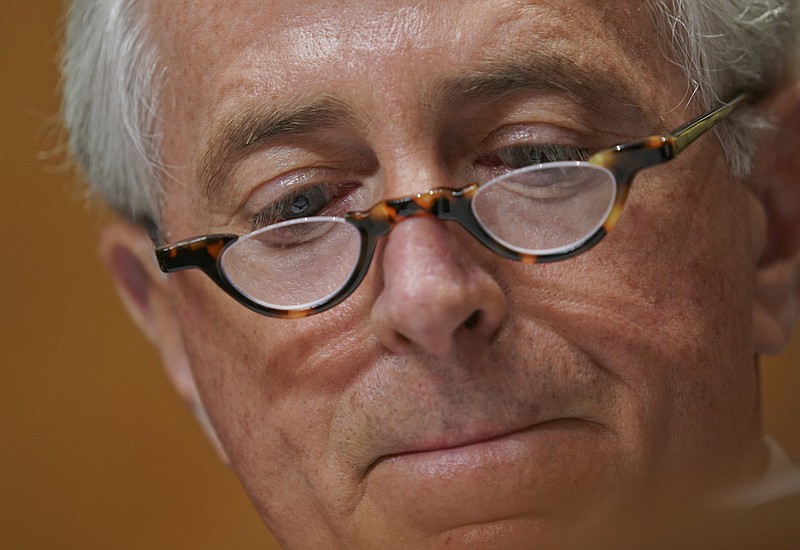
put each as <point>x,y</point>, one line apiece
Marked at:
<point>234,134</point>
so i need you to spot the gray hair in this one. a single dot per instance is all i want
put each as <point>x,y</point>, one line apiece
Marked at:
<point>727,47</point>
<point>114,81</point>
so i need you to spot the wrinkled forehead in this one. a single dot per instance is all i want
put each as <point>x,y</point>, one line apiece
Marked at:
<point>391,25</point>
<point>279,45</point>
<point>384,61</point>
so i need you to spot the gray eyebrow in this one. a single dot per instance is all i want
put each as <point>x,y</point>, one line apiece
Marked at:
<point>252,125</point>
<point>233,136</point>
<point>593,89</point>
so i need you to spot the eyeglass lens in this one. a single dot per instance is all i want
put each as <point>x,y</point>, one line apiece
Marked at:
<point>542,209</point>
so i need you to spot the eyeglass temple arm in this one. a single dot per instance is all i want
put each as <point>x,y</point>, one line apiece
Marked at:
<point>200,252</point>
<point>685,135</point>
<point>627,159</point>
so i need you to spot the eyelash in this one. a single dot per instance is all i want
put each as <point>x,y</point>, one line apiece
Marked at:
<point>274,212</point>
<point>527,154</point>
<point>512,157</point>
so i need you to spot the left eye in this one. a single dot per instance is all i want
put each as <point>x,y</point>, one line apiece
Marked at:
<point>520,156</point>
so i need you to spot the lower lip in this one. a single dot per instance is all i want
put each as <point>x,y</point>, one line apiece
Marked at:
<point>525,473</point>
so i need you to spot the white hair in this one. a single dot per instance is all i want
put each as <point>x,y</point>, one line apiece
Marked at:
<point>727,47</point>
<point>114,81</point>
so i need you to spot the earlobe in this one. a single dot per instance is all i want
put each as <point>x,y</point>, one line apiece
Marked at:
<point>776,306</point>
<point>127,251</point>
<point>777,173</point>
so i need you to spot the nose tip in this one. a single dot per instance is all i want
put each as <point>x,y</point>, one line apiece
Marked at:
<point>434,291</point>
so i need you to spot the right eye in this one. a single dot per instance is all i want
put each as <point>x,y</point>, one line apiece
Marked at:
<point>311,200</point>
<point>303,204</point>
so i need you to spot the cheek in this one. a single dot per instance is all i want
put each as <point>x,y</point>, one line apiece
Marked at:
<point>228,366</point>
<point>682,251</point>
<point>686,276</point>
<point>663,304</point>
<point>270,386</point>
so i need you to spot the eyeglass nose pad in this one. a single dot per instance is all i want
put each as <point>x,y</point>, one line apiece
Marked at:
<point>448,204</point>
<point>432,290</point>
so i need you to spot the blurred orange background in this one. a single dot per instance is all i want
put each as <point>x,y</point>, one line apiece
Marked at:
<point>96,451</point>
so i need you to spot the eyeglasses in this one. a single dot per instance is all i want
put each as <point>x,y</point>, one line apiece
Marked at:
<point>539,213</point>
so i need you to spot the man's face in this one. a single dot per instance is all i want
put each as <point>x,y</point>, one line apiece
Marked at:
<point>457,396</point>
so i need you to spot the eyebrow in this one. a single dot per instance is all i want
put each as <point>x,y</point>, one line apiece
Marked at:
<point>594,89</point>
<point>252,125</point>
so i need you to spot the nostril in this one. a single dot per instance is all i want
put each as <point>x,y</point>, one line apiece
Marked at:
<point>473,319</point>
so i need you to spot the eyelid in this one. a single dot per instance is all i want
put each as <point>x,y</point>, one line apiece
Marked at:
<point>269,214</point>
<point>535,133</point>
<point>279,187</point>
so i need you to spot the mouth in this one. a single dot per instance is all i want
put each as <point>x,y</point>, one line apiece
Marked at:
<point>530,471</point>
<point>475,444</point>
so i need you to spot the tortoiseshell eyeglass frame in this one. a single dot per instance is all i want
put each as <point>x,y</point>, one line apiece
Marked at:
<point>623,161</point>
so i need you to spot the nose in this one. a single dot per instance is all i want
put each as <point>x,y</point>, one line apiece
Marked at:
<point>434,291</point>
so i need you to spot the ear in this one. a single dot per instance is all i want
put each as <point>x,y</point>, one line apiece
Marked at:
<point>127,251</point>
<point>777,173</point>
